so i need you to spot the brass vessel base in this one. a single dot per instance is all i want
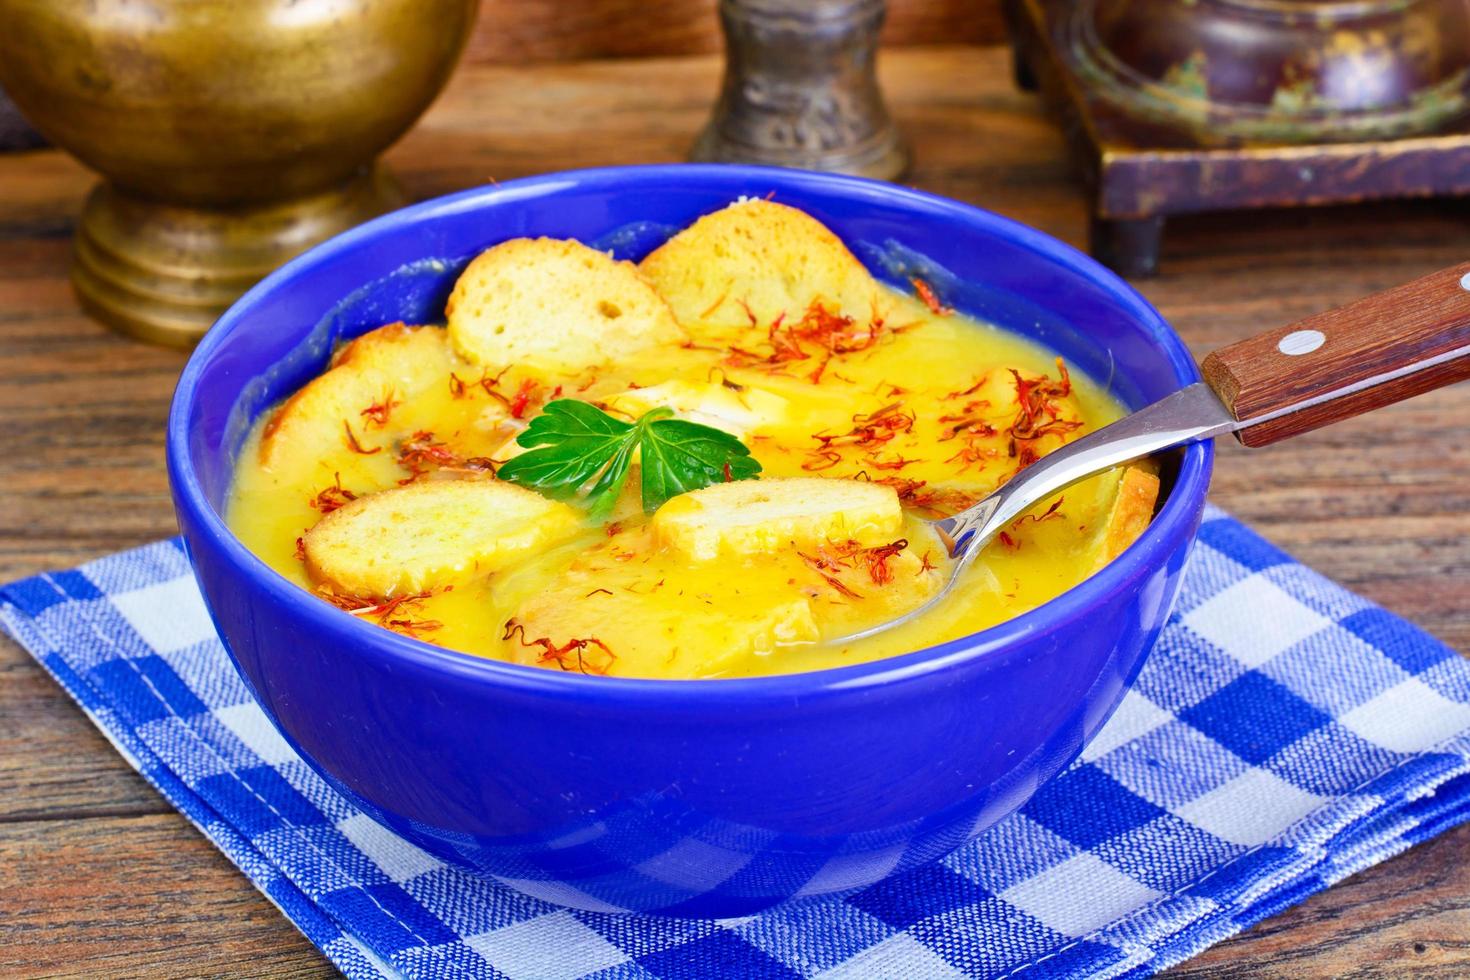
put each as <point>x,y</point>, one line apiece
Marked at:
<point>164,273</point>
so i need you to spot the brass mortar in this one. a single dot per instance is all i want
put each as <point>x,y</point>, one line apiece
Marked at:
<point>232,134</point>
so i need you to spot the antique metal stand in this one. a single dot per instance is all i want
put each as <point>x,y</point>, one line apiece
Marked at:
<point>800,89</point>
<point>1174,107</point>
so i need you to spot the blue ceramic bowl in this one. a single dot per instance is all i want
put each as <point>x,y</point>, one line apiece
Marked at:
<point>692,798</point>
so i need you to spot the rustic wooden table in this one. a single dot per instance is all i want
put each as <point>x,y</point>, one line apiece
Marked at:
<point>99,876</point>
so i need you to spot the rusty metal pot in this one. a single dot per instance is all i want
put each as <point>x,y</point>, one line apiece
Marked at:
<point>1279,71</point>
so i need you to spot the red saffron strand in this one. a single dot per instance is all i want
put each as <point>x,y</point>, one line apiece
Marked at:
<point>420,453</point>
<point>383,612</point>
<point>926,293</point>
<point>356,446</point>
<point>872,430</point>
<point>878,558</point>
<point>551,653</point>
<point>522,398</point>
<point>979,383</point>
<point>379,412</point>
<point>717,304</point>
<point>333,496</point>
<point>822,459</point>
<point>1033,518</point>
<point>749,313</point>
<point>897,463</point>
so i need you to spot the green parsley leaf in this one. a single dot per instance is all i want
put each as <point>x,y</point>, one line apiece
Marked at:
<point>575,448</point>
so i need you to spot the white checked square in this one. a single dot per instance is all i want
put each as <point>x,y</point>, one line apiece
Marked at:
<point>361,949</point>
<point>559,893</point>
<point>694,865</point>
<point>1136,716</point>
<point>899,957</point>
<point>1408,717</point>
<point>250,725</point>
<point>555,943</point>
<point>399,859</point>
<point>1081,894</point>
<point>168,616</point>
<point>1251,809</point>
<point>850,870</point>
<point>1272,621</point>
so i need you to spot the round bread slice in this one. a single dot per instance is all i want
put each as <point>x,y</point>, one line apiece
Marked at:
<point>395,362</point>
<point>757,516</point>
<point>555,305</point>
<point>428,535</point>
<point>762,260</point>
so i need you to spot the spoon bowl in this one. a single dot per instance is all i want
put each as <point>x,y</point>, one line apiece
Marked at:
<point>1373,352</point>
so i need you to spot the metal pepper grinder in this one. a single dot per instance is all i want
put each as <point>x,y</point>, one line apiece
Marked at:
<point>801,89</point>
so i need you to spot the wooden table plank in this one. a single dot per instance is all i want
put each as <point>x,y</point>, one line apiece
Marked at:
<point>518,31</point>
<point>104,879</point>
<point>143,898</point>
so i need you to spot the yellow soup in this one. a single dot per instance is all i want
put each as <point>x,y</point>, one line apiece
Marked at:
<point>940,408</point>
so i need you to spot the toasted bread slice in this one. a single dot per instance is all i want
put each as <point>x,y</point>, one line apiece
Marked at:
<point>394,362</point>
<point>1133,509</point>
<point>759,260</point>
<point>427,535</point>
<point>756,516</point>
<point>737,412</point>
<point>653,615</point>
<point>554,305</point>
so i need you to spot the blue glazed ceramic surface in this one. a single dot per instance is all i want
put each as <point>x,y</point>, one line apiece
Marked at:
<point>697,798</point>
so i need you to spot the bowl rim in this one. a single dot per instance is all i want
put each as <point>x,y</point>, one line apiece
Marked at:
<point>1174,519</point>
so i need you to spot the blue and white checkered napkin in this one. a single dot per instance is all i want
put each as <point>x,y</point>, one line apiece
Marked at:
<point>1284,734</point>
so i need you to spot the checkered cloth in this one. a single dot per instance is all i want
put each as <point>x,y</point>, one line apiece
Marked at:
<point>1285,733</point>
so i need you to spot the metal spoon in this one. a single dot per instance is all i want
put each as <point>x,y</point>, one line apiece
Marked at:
<point>1373,352</point>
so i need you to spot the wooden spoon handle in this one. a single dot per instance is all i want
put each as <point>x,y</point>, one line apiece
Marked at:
<point>1370,353</point>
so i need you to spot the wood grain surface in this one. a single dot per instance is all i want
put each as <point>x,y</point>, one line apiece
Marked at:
<point>522,31</point>
<point>99,877</point>
<point>1416,335</point>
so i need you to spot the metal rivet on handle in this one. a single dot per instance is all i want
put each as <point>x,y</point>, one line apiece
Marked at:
<point>1465,281</point>
<point>1300,342</point>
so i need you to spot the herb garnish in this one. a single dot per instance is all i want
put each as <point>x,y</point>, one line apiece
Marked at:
<point>575,447</point>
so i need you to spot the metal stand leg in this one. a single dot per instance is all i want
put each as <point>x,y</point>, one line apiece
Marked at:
<point>1021,72</point>
<point>1129,246</point>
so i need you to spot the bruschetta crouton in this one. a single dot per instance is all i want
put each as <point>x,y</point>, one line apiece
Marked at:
<point>757,516</point>
<point>625,609</point>
<point>388,365</point>
<point>431,534</point>
<point>554,305</point>
<point>755,262</point>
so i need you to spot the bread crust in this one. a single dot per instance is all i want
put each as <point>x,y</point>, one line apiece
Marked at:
<point>393,362</point>
<point>431,534</point>
<point>1133,508</point>
<point>757,261</point>
<point>757,516</point>
<point>556,305</point>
